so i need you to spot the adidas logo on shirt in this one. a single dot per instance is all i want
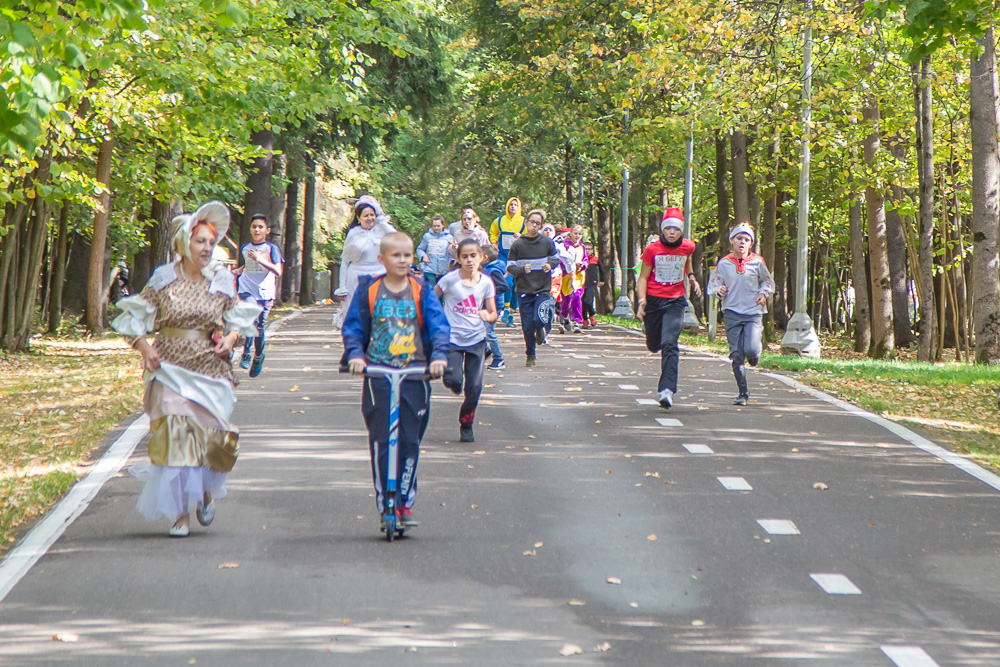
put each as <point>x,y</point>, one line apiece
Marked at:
<point>467,307</point>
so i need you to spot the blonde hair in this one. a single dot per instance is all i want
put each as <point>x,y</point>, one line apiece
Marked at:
<point>394,239</point>
<point>537,211</point>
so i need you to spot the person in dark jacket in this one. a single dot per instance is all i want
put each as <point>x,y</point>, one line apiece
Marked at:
<point>530,261</point>
<point>396,320</point>
<point>593,280</point>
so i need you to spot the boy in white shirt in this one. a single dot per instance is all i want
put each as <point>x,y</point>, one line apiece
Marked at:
<point>260,265</point>
<point>469,302</point>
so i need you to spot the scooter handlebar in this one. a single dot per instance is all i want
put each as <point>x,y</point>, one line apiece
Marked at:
<point>408,373</point>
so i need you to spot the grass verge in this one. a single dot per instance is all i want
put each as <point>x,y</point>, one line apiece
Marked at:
<point>57,403</point>
<point>953,404</point>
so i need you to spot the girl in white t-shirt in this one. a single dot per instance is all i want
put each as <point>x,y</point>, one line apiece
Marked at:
<point>469,302</point>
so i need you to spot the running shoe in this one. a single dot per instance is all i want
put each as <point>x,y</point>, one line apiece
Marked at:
<point>540,336</point>
<point>465,433</point>
<point>753,361</point>
<point>245,360</point>
<point>497,365</point>
<point>489,353</point>
<point>529,360</point>
<point>666,398</point>
<point>586,324</point>
<point>741,399</point>
<point>257,365</point>
<point>576,328</point>
<point>406,518</point>
<point>593,321</point>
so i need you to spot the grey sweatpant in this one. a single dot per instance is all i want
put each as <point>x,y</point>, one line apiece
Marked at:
<point>744,334</point>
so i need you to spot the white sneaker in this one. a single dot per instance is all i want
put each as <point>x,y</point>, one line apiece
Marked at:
<point>666,398</point>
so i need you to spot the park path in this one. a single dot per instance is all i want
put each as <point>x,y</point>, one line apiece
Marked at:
<point>584,516</point>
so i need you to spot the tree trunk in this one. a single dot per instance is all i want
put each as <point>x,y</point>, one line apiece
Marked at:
<point>925,166</point>
<point>59,271</point>
<point>606,302</point>
<point>258,197</point>
<point>721,195</point>
<point>859,274</point>
<point>741,195</point>
<point>769,230</point>
<point>306,296</point>
<point>780,271</point>
<point>985,201</point>
<point>883,341</point>
<point>97,295</point>
<point>290,274</point>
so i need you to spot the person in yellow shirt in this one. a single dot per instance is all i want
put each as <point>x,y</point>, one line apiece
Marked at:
<point>503,232</point>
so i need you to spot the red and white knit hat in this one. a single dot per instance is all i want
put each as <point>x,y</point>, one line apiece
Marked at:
<point>672,217</point>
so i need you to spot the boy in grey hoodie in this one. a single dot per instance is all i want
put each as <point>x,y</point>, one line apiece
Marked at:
<point>743,282</point>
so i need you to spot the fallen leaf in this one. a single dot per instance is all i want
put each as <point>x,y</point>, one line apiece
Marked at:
<point>65,637</point>
<point>570,649</point>
<point>530,552</point>
<point>527,449</point>
<point>574,388</point>
<point>539,545</point>
<point>475,507</point>
<point>652,474</point>
<point>697,623</point>
<point>634,605</point>
<point>577,603</point>
<point>613,580</point>
<point>820,486</point>
<point>479,452</point>
<point>651,537</point>
<point>228,566</point>
<point>306,398</point>
<point>295,387</point>
<point>605,647</point>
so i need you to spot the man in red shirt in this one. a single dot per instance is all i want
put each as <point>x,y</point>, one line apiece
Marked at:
<point>663,297</point>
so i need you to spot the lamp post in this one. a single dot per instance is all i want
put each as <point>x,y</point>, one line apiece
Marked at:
<point>800,336</point>
<point>623,307</point>
<point>690,322</point>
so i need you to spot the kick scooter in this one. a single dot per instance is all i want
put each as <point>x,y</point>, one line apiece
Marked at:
<point>395,376</point>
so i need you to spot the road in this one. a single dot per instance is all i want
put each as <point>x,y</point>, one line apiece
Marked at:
<point>575,520</point>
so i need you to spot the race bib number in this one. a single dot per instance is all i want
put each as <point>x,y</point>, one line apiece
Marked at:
<point>506,241</point>
<point>437,247</point>
<point>669,269</point>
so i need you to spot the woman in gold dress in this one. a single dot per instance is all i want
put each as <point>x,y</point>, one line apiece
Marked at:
<point>192,306</point>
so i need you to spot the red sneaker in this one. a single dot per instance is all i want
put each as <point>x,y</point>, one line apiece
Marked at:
<point>406,518</point>
<point>593,321</point>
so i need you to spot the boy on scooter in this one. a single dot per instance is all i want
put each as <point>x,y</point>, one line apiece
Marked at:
<point>396,320</point>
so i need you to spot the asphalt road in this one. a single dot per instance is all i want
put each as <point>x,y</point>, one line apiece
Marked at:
<point>574,520</point>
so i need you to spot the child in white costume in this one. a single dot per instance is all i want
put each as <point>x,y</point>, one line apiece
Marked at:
<point>361,247</point>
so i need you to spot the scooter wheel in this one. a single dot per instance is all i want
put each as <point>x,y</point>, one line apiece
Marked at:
<point>390,527</point>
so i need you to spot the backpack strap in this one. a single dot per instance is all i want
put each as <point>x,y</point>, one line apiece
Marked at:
<point>417,288</point>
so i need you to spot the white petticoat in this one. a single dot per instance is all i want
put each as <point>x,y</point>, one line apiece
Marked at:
<point>172,491</point>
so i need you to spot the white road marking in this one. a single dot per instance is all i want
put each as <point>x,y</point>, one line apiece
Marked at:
<point>908,656</point>
<point>735,483</point>
<point>628,387</point>
<point>555,345</point>
<point>45,533</point>
<point>580,356</point>
<point>596,365</point>
<point>667,421</point>
<point>698,449</point>
<point>647,401</point>
<point>611,374</point>
<point>779,526</point>
<point>836,584</point>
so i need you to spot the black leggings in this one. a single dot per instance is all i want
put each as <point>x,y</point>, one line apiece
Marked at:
<point>467,363</point>
<point>588,301</point>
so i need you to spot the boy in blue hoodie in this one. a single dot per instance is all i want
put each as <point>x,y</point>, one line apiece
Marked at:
<point>496,269</point>
<point>432,252</point>
<point>396,320</point>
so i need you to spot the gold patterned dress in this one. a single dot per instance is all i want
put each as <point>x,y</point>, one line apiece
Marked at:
<point>190,398</point>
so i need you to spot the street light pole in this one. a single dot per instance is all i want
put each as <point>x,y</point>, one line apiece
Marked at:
<point>623,307</point>
<point>800,336</point>
<point>690,322</point>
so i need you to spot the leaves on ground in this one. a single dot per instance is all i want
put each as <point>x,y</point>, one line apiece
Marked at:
<point>570,649</point>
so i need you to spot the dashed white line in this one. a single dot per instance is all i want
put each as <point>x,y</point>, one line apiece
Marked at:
<point>628,387</point>
<point>908,656</point>
<point>779,526</point>
<point>611,374</point>
<point>596,365</point>
<point>735,483</point>
<point>647,401</point>
<point>698,449</point>
<point>836,584</point>
<point>580,356</point>
<point>667,421</point>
